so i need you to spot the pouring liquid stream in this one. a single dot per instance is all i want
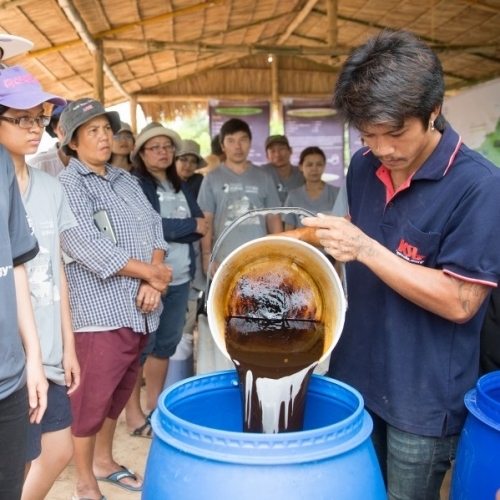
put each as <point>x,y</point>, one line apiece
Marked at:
<point>274,360</point>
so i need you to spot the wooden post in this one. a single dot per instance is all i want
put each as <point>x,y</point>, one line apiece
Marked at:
<point>332,13</point>
<point>275,90</point>
<point>98,72</point>
<point>133,113</point>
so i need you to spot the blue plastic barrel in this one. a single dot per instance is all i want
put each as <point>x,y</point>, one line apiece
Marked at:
<point>199,451</point>
<point>476,474</point>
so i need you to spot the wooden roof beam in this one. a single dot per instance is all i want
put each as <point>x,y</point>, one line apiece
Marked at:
<point>81,28</point>
<point>158,98</point>
<point>251,49</point>
<point>304,12</point>
<point>480,5</point>
<point>127,27</point>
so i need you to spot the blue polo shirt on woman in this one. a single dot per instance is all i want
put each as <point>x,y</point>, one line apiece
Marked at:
<point>413,367</point>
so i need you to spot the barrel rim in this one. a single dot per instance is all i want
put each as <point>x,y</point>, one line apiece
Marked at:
<point>480,403</point>
<point>252,448</point>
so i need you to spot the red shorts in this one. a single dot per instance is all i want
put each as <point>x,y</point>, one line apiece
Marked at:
<point>109,363</point>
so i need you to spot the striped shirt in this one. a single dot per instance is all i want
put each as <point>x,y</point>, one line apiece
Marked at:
<point>98,296</point>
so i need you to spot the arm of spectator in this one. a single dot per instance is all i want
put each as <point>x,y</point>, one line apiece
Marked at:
<point>70,361</point>
<point>182,230</point>
<point>37,383</point>
<point>148,298</point>
<point>274,224</point>
<point>207,241</point>
<point>158,275</point>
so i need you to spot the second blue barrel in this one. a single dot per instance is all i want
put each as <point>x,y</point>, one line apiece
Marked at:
<point>200,453</point>
<point>476,474</point>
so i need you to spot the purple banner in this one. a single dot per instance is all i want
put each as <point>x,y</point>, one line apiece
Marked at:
<point>256,114</point>
<point>354,141</point>
<point>313,123</point>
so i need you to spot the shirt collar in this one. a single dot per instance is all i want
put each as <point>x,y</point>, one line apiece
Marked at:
<point>112,173</point>
<point>442,158</point>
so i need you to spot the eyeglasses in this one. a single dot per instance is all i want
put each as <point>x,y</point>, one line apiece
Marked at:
<point>125,136</point>
<point>158,149</point>
<point>27,122</point>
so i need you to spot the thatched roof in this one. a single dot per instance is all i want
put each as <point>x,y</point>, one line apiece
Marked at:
<point>170,55</point>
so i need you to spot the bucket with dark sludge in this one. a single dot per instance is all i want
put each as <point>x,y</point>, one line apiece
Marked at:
<point>276,309</point>
<point>476,473</point>
<point>199,452</point>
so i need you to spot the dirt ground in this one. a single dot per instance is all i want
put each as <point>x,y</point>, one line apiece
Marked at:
<point>129,451</point>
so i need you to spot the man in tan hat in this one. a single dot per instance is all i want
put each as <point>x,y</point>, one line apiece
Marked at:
<point>285,175</point>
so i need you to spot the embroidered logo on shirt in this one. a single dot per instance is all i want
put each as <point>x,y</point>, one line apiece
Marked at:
<point>409,252</point>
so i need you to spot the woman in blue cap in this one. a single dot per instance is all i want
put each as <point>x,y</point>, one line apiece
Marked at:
<point>22,122</point>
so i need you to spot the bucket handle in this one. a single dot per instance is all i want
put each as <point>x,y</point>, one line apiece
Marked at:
<point>261,212</point>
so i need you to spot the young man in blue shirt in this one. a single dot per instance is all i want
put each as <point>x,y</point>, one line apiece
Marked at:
<point>421,245</point>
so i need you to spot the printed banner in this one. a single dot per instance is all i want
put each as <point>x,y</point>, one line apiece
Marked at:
<point>313,123</point>
<point>256,114</point>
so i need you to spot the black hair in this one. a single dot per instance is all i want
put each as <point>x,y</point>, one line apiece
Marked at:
<point>172,175</point>
<point>311,150</point>
<point>393,76</point>
<point>232,126</point>
<point>3,109</point>
<point>215,146</point>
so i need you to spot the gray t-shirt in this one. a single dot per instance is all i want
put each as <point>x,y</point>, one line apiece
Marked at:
<point>49,215</point>
<point>299,198</point>
<point>341,206</point>
<point>48,161</point>
<point>18,244</point>
<point>228,195</point>
<point>284,186</point>
<point>175,206</point>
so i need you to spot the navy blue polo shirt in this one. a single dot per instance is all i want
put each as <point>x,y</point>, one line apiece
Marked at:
<point>413,367</point>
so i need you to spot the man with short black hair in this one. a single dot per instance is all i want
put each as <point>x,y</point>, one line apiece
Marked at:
<point>421,248</point>
<point>285,176</point>
<point>232,189</point>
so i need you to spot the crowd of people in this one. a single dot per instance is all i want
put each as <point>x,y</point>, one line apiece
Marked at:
<point>109,235</point>
<point>114,250</point>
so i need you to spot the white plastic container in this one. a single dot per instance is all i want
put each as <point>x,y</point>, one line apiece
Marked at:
<point>180,365</point>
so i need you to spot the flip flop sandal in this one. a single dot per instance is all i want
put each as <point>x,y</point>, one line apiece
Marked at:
<point>139,432</point>
<point>115,478</point>
<point>74,497</point>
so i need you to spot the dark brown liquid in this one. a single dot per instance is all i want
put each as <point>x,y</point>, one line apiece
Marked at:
<point>274,360</point>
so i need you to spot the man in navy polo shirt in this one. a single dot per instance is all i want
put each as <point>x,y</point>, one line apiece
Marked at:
<point>422,252</point>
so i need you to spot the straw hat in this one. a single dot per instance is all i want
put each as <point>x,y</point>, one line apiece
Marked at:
<point>189,147</point>
<point>155,129</point>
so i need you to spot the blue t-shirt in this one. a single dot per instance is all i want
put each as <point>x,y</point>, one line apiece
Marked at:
<point>18,245</point>
<point>413,367</point>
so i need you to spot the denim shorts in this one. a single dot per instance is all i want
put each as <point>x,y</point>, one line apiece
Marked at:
<point>57,416</point>
<point>163,342</point>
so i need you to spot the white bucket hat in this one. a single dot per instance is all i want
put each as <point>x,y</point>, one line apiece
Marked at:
<point>155,129</point>
<point>189,147</point>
